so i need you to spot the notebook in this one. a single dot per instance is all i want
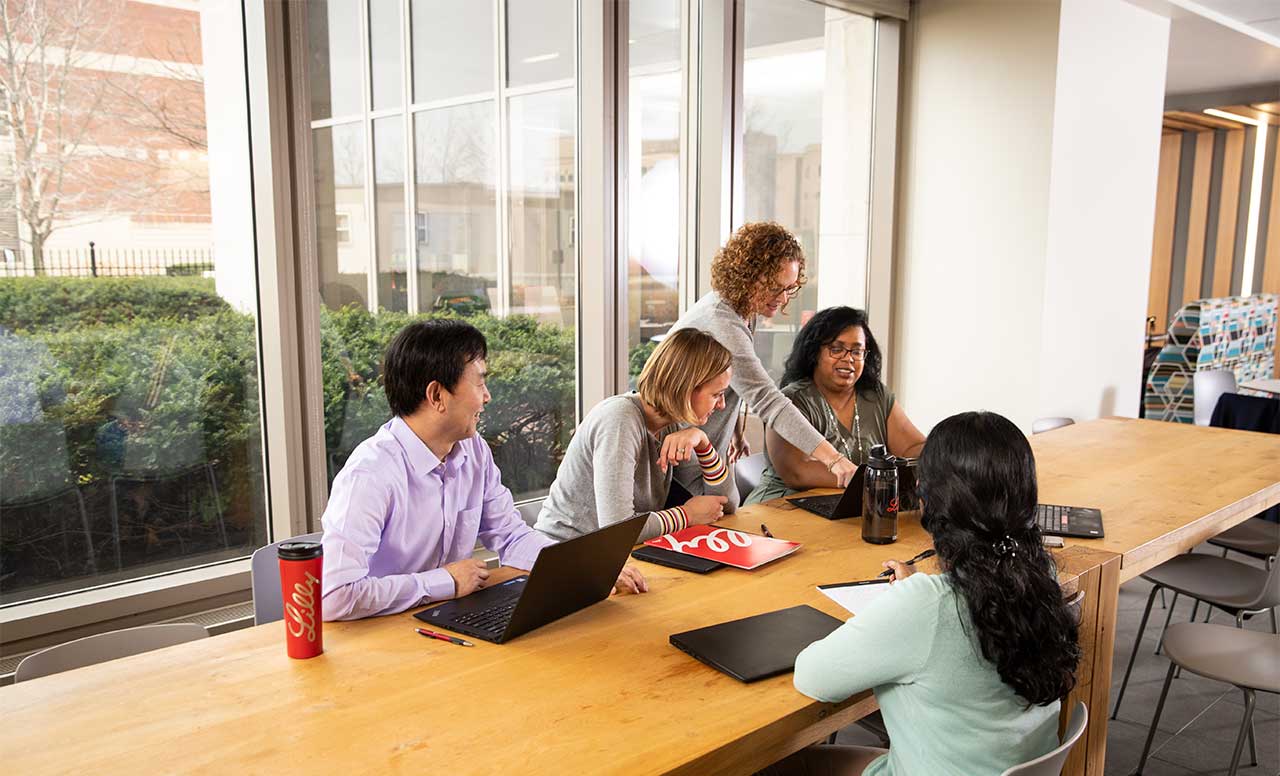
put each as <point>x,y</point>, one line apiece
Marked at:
<point>757,647</point>
<point>724,545</point>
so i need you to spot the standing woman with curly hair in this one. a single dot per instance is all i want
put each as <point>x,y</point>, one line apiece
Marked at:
<point>757,271</point>
<point>969,666</point>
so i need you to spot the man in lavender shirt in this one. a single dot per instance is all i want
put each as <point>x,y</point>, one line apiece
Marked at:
<point>406,510</point>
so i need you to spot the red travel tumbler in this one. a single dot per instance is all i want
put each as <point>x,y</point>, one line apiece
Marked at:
<point>300,569</point>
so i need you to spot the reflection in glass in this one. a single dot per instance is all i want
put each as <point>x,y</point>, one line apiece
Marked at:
<point>539,41</point>
<point>342,232</point>
<point>805,71</point>
<point>542,205</point>
<point>384,47</point>
<point>653,163</point>
<point>456,225</point>
<point>334,70</point>
<point>388,178</point>
<point>452,48</point>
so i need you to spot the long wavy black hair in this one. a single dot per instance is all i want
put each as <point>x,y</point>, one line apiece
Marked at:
<point>819,332</point>
<point>978,485</point>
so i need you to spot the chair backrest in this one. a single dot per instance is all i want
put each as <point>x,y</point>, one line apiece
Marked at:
<point>529,511</point>
<point>747,473</point>
<point>264,573</point>
<point>106,646</point>
<point>1051,763</point>
<point>1208,388</point>
<point>1041,425</point>
<point>1269,596</point>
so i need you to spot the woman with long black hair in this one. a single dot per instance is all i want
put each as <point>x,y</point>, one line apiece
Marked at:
<point>968,665</point>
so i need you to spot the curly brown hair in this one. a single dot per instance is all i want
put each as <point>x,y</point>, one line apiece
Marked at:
<point>745,266</point>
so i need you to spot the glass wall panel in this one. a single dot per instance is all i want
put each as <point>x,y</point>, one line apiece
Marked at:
<point>539,41</point>
<point>388,178</point>
<point>453,49</point>
<point>334,69</point>
<point>654,115</point>
<point>388,73</point>
<point>808,78</point>
<point>342,226</point>
<point>130,425</point>
<point>456,224</point>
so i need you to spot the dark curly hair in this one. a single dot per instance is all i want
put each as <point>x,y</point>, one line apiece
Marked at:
<point>978,488</point>
<point>819,332</point>
<point>746,264</point>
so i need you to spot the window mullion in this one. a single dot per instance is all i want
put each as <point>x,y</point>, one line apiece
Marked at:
<point>410,163</point>
<point>504,161</point>
<point>370,187</point>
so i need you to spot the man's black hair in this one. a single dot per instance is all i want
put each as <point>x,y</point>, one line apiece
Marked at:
<point>424,351</point>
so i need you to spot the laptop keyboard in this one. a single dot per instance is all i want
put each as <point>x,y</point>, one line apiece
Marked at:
<point>492,620</point>
<point>822,505</point>
<point>1053,517</point>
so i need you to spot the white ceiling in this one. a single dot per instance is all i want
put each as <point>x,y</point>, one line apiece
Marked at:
<point>1206,56</point>
<point>1259,15</point>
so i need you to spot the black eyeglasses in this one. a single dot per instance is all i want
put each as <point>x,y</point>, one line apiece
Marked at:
<point>790,291</point>
<point>839,351</point>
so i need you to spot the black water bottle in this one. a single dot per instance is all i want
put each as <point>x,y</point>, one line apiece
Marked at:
<point>880,498</point>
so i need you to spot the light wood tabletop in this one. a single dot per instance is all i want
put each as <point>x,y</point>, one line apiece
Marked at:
<point>1163,487</point>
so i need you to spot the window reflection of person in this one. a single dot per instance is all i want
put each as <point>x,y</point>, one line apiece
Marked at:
<point>833,377</point>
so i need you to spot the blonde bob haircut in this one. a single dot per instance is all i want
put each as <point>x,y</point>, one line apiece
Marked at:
<point>685,360</point>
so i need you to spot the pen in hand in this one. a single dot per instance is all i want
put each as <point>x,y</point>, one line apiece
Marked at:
<point>443,637</point>
<point>926,554</point>
<point>764,529</point>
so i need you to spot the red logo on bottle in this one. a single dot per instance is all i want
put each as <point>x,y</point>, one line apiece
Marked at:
<point>893,505</point>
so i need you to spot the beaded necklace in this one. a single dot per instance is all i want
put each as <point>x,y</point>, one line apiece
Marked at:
<point>857,427</point>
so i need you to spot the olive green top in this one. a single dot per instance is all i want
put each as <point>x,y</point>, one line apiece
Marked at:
<point>874,405</point>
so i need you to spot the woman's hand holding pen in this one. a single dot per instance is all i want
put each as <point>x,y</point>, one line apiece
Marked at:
<point>898,570</point>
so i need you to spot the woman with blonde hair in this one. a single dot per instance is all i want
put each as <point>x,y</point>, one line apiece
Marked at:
<point>621,459</point>
<point>755,274</point>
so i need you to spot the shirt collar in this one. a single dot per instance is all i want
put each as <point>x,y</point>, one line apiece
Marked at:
<point>421,459</point>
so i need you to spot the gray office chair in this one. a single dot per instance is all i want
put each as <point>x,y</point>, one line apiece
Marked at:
<point>530,510</point>
<point>1207,388</point>
<point>1236,588</point>
<point>747,473</point>
<point>1041,425</point>
<point>1247,659</point>
<point>1051,763</point>
<point>264,575</point>
<point>106,646</point>
<point>1255,537</point>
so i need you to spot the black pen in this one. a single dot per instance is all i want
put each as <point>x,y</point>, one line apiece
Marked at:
<point>912,562</point>
<point>877,581</point>
<point>764,529</point>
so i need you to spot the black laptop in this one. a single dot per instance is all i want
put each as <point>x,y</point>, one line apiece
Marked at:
<point>565,578</point>
<point>1078,522</point>
<point>838,506</point>
<point>757,647</point>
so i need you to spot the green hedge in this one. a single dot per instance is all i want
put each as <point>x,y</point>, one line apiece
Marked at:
<point>41,304</point>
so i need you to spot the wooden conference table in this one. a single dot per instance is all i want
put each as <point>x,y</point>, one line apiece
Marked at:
<point>602,690</point>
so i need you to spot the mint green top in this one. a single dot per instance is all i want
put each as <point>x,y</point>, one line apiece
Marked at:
<point>944,705</point>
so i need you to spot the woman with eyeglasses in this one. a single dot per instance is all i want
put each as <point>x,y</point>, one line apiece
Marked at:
<point>833,377</point>
<point>757,271</point>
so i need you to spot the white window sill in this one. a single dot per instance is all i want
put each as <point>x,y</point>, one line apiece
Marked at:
<point>53,620</point>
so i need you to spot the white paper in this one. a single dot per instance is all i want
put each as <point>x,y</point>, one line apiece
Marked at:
<point>856,597</point>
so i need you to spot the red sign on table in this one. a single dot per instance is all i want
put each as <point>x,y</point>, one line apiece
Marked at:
<point>733,548</point>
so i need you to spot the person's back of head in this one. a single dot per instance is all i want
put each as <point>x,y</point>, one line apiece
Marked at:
<point>978,488</point>
<point>427,351</point>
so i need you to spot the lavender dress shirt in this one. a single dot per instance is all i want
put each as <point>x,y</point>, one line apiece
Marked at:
<point>397,515</point>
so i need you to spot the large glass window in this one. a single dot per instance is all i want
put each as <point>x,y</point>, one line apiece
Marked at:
<point>130,428</point>
<point>808,81</point>
<point>473,194</point>
<point>654,117</point>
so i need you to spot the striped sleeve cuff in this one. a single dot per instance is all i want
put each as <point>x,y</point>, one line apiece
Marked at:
<point>713,469</point>
<point>672,520</point>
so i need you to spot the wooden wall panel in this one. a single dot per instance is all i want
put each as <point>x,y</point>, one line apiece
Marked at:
<point>1229,201</point>
<point>1198,216</point>
<point>1162,240</point>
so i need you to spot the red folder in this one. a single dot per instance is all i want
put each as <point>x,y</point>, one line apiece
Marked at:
<point>733,548</point>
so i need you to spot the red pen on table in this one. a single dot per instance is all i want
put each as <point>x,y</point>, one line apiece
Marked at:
<point>443,637</point>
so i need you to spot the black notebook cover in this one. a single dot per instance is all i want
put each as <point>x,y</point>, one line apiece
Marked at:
<point>757,647</point>
<point>677,560</point>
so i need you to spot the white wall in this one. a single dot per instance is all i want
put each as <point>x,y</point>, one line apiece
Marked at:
<point>1102,193</point>
<point>1028,185</point>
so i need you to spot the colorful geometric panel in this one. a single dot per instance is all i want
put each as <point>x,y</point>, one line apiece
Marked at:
<point>1236,333</point>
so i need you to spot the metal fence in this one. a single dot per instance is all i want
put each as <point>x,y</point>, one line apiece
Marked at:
<point>108,262</point>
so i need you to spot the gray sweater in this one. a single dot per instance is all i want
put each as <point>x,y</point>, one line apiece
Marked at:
<point>610,473</point>
<point>750,383</point>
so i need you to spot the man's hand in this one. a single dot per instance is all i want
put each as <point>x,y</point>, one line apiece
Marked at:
<point>631,581</point>
<point>468,576</point>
